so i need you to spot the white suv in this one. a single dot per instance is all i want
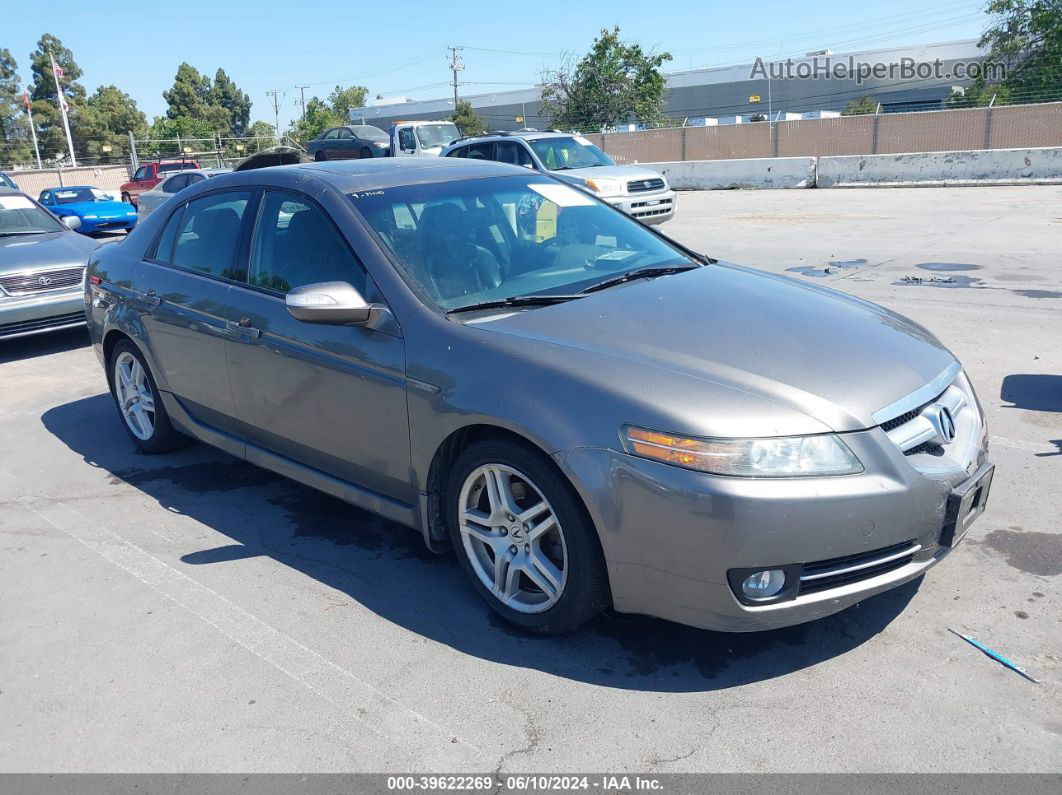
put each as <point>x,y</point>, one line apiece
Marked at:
<point>638,191</point>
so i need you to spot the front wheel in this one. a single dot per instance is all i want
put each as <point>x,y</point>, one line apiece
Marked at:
<point>525,539</point>
<point>136,396</point>
<point>365,152</point>
<point>319,157</point>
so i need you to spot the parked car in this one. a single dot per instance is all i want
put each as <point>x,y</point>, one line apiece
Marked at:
<point>98,211</point>
<point>174,183</point>
<point>640,192</point>
<point>7,182</point>
<point>149,175</point>
<point>42,262</point>
<point>354,141</point>
<point>586,411</point>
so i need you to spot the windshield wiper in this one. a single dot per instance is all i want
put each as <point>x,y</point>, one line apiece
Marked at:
<point>641,273</point>
<point>30,232</point>
<point>516,300</point>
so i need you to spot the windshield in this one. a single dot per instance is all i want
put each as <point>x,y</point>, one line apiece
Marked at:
<point>20,216</point>
<point>465,242</point>
<point>74,195</point>
<point>431,135</point>
<point>564,153</point>
<point>370,133</point>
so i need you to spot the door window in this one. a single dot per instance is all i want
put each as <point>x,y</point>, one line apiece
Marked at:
<point>175,184</point>
<point>460,151</point>
<point>345,133</point>
<point>164,248</point>
<point>208,233</point>
<point>141,174</point>
<point>483,151</point>
<point>295,243</point>
<point>512,152</point>
<point>406,139</point>
<point>331,134</point>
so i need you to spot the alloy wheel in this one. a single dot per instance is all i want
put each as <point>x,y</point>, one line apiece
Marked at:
<point>136,401</point>
<point>513,538</point>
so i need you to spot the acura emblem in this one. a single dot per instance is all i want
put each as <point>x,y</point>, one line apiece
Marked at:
<point>44,281</point>
<point>945,425</point>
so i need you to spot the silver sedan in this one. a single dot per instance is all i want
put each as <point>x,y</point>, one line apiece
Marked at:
<point>150,199</point>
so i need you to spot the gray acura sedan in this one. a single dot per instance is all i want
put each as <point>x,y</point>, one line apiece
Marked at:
<point>587,412</point>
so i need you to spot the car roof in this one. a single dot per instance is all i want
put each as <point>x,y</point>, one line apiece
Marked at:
<point>369,173</point>
<point>527,135</point>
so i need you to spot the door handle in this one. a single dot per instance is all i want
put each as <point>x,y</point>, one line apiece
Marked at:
<point>151,298</point>
<point>243,329</point>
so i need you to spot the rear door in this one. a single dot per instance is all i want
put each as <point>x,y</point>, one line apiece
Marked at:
<point>330,397</point>
<point>182,291</point>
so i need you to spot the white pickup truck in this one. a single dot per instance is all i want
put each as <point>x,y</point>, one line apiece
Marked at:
<point>421,138</point>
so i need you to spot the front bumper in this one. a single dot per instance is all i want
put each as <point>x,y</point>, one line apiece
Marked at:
<point>670,535</point>
<point>107,224</point>
<point>649,208</point>
<point>21,317</point>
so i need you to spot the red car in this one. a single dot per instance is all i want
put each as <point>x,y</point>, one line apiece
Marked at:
<point>151,174</point>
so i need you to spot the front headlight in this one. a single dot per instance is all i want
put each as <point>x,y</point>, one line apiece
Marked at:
<point>605,187</point>
<point>779,457</point>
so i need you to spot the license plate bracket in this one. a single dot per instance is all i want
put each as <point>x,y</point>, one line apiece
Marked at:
<point>966,502</point>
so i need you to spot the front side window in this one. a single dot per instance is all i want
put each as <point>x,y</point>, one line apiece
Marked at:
<point>141,174</point>
<point>405,139</point>
<point>345,133</point>
<point>295,243</point>
<point>464,242</point>
<point>432,135</point>
<point>328,136</point>
<point>208,233</point>
<point>561,153</point>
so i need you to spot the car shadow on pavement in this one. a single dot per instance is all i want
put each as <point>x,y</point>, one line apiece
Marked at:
<point>20,348</point>
<point>386,568</point>
<point>1032,391</point>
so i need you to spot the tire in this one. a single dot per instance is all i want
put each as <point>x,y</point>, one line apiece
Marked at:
<point>365,152</point>
<point>319,157</point>
<point>133,386</point>
<point>552,576</point>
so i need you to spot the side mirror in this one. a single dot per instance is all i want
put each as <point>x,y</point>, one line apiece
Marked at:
<point>71,221</point>
<point>333,303</point>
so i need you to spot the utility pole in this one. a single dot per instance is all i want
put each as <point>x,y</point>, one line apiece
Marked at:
<point>456,65</point>
<point>278,97</point>
<point>33,130</point>
<point>302,99</point>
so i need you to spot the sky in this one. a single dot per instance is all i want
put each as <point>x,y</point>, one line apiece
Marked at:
<point>401,49</point>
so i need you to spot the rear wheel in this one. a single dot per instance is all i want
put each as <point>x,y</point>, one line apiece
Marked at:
<point>525,539</point>
<point>136,396</point>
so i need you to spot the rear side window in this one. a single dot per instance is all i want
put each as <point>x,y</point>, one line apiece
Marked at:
<point>208,234</point>
<point>458,152</point>
<point>511,152</point>
<point>174,184</point>
<point>164,249</point>
<point>481,151</point>
<point>295,243</point>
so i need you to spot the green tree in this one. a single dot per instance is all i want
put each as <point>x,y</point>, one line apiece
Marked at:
<point>190,95</point>
<point>319,117</point>
<point>107,119</point>
<point>15,145</point>
<point>1026,37</point>
<point>236,103</point>
<point>342,100</point>
<point>864,106</point>
<point>615,81</point>
<point>46,115</point>
<point>195,134</point>
<point>467,120</point>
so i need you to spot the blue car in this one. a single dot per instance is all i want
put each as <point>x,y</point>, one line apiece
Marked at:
<point>97,211</point>
<point>7,182</point>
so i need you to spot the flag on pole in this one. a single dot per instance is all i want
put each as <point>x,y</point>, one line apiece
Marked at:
<point>26,100</point>
<point>58,71</point>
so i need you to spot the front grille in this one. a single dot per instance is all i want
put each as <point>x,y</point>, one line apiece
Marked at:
<point>40,281</point>
<point>643,185</point>
<point>835,572</point>
<point>41,324</point>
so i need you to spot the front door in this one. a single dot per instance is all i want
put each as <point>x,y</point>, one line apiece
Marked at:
<point>330,397</point>
<point>183,288</point>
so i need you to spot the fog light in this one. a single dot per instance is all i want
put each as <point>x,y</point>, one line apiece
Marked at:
<point>763,584</point>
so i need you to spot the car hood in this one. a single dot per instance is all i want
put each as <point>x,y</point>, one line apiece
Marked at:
<point>100,209</point>
<point>628,173</point>
<point>53,250</point>
<point>833,357</point>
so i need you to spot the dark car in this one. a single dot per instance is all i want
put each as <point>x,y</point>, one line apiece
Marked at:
<point>350,142</point>
<point>587,412</point>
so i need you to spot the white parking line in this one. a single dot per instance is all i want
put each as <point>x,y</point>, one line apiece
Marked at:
<point>406,730</point>
<point>1018,444</point>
